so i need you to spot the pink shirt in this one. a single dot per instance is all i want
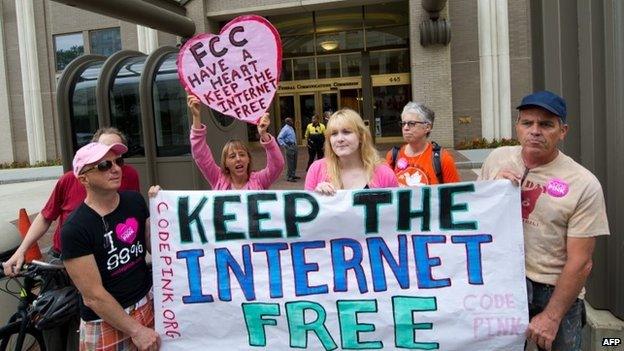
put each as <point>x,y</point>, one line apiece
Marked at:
<point>383,176</point>
<point>218,180</point>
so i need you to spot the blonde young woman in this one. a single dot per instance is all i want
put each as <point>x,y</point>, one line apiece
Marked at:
<point>351,160</point>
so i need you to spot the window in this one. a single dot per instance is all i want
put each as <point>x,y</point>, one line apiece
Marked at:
<point>293,23</point>
<point>105,41</point>
<point>389,103</point>
<point>287,70</point>
<point>388,36</point>
<point>298,45</point>
<point>351,64</point>
<point>171,122</point>
<point>349,40</point>
<point>83,112</point>
<point>305,68</point>
<point>386,14</point>
<point>125,107</point>
<point>67,47</point>
<point>328,66</point>
<point>394,61</point>
<point>338,19</point>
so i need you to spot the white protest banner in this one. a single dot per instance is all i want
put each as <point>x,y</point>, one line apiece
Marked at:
<point>235,72</point>
<point>431,268</point>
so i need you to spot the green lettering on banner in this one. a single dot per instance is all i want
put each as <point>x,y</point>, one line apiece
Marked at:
<point>404,326</point>
<point>255,216</point>
<point>220,218</point>
<point>291,218</point>
<point>405,213</point>
<point>295,312</point>
<point>185,219</point>
<point>254,313</point>
<point>350,329</point>
<point>371,201</point>
<point>447,207</point>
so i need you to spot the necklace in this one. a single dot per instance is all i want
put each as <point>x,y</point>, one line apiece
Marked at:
<point>417,155</point>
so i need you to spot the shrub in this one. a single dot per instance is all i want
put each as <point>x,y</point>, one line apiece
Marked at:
<point>482,143</point>
<point>23,164</point>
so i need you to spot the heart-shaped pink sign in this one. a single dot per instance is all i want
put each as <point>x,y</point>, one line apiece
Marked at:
<point>236,72</point>
<point>127,231</point>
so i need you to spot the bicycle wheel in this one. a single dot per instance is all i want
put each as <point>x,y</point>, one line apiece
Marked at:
<point>33,340</point>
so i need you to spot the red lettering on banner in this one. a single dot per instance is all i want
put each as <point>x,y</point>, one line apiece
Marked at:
<point>170,325</point>
<point>160,205</point>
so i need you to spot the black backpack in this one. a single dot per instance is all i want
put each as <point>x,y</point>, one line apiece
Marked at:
<point>435,159</point>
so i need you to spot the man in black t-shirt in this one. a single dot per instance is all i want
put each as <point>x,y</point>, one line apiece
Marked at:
<point>104,242</point>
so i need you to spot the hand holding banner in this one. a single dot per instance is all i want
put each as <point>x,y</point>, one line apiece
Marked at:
<point>236,72</point>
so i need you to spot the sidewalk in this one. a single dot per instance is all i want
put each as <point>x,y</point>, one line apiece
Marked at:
<point>20,175</point>
<point>466,161</point>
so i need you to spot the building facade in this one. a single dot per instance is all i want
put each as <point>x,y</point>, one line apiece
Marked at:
<point>37,40</point>
<point>366,55</point>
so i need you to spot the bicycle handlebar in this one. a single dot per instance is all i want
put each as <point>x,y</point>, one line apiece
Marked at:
<point>47,265</point>
<point>32,267</point>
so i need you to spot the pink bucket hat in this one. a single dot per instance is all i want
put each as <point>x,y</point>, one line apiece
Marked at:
<point>93,152</point>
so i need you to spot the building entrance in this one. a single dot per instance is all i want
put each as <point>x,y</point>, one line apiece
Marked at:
<point>301,100</point>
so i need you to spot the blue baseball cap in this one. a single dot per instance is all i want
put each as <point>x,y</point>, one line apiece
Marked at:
<point>547,100</point>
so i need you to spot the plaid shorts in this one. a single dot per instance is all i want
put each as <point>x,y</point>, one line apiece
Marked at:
<point>99,335</point>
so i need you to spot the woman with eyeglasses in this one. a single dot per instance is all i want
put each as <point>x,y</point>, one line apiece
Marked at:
<point>67,195</point>
<point>235,169</point>
<point>351,160</point>
<point>420,161</point>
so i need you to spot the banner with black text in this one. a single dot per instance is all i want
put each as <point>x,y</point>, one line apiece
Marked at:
<point>429,268</point>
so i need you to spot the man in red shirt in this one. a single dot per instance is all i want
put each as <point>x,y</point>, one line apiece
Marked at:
<point>413,164</point>
<point>67,195</point>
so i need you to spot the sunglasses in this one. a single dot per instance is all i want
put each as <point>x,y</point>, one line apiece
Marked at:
<point>411,124</point>
<point>105,165</point>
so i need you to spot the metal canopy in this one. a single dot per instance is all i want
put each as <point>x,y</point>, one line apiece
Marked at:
<point>163,15</point>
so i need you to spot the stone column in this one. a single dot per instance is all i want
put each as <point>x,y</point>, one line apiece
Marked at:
<point>431,75</point>
<point>6,137</point>
<point>148,39</point>
<point>31,88</point>
<point>494,68</point>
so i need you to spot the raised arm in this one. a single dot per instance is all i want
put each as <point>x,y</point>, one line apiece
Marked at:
<point>202,155</point>
<point>275,159</point>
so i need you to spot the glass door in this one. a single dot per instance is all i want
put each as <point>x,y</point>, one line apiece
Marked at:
<point>388,105</point>
<point>351,98</point>
<point>286,108</point>
<point>307,109</point>
<point>330,102</point>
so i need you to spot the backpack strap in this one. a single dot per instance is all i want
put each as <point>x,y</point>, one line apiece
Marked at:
<point>437,164</point>
<point>395,154</point>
